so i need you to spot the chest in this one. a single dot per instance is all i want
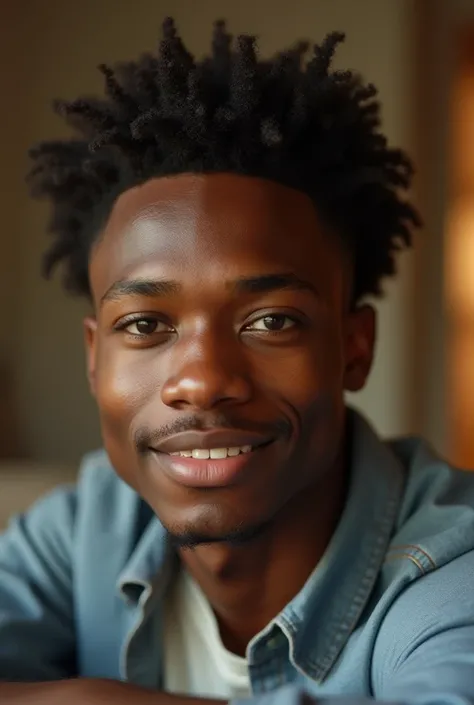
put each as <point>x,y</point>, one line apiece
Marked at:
<point>137,643</point>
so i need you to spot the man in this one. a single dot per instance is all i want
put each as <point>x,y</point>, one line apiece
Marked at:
<point>244,534</point>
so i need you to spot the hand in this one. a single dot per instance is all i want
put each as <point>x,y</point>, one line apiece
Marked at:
<point>91,692</point>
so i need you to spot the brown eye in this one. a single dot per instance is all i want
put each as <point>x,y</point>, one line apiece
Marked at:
<point>272,323</point>
<point>146,326</point>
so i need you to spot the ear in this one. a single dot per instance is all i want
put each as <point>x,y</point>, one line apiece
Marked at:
<point>90,340</point>
<point>360,347</point>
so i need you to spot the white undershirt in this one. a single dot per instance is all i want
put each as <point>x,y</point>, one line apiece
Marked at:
<point>195,660</point>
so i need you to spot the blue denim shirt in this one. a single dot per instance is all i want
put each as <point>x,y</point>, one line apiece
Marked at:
<point>387,614</point>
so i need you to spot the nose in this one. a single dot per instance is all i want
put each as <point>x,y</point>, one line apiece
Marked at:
<point>206,375</point>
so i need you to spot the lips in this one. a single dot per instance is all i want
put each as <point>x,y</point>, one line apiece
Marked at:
<point>212,473</point>
<point>191,440</point>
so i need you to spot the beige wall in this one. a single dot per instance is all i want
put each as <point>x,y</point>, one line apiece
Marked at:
<point>65,41</point>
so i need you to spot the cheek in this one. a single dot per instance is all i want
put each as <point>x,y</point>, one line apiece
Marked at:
<point>308,372</point>
<point>126,380</point>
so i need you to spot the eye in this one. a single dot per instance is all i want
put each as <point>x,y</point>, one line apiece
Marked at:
<point>272,323</point>
<point>144,327</point>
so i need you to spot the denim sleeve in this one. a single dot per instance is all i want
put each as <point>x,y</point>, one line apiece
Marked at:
<point>37,640</point>
<point>425,649</point>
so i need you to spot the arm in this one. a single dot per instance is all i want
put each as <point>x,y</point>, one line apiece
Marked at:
<point>103,692</point>
<point>90,692</point>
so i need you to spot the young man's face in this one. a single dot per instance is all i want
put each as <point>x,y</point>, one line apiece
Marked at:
<point>221,308</point>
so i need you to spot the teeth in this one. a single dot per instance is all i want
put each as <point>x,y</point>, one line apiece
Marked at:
<point>200,453</point>
<point>218,453</point>
<point>213,453</point>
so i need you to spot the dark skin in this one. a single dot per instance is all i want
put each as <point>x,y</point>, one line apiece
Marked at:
<point>274,355</point>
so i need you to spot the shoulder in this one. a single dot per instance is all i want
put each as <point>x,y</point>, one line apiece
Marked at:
<point>70,514</point>
<point>100,488</point>
<point>428,629</point>
<point>436,519</point>
<point>426,576</point>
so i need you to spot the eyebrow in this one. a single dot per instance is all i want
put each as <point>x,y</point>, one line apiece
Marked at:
<point>151,288</point>
<point>272,282</point>
<point>261,284</point>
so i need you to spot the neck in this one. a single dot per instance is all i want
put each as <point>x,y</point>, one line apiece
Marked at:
<point>248,585</point>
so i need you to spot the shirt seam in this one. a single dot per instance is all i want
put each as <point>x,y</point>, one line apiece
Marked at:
<point>418,549</point>
<point>401,555</point>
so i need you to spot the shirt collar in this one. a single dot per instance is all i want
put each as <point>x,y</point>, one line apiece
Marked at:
<point>148,567</point>
<point>320,619</point>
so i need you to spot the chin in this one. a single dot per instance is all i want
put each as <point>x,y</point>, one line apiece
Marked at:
<point>190,537</point>
<point>209,526</point>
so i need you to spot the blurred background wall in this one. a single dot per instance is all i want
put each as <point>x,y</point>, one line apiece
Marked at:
<point>51,48</point>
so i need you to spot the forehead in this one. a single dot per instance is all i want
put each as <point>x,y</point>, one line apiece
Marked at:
<point>211,222</point>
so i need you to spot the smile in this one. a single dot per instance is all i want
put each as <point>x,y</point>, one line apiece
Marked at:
<point>207,468</point>
<point>213,453</point>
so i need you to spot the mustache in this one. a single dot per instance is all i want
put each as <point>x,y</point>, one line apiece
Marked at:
<point>145,437</point>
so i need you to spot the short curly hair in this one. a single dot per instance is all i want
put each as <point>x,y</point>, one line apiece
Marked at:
<point>295,121</point>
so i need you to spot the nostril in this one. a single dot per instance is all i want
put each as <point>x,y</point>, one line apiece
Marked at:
<point>203,387</point>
